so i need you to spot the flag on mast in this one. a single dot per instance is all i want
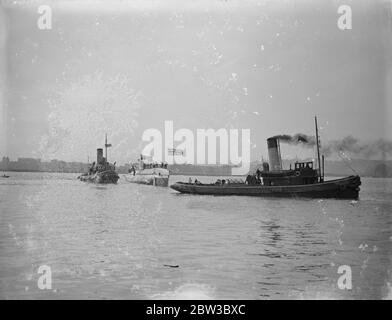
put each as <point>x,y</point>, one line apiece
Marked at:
<point>173,152</point>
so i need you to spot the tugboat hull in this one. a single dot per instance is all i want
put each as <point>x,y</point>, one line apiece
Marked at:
<point>345,188</point>
<point>100,177</point>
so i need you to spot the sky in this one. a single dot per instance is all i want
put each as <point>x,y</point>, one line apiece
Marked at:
<point>122,67</point>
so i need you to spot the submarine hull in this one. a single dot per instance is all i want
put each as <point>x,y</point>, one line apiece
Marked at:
<point>155,177</point>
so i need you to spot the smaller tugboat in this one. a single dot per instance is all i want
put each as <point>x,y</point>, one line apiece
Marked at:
<point>148,172</point>
<point>101,171</point>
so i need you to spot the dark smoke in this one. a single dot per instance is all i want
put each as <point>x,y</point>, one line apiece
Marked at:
<point>299,138</point>
<point>352,146</point>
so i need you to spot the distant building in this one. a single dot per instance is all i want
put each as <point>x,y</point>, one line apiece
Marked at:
<point>32,165</point>
<point>5,164</point>
<point>201,170</point>
<point>28,164</point>
<point>382,171</point>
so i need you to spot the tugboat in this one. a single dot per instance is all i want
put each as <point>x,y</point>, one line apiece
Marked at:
<point>301,181</point>
<point>101,171</point>
<point>148,172</point>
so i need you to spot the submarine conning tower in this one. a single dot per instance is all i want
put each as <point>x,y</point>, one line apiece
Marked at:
<point>275,159</point>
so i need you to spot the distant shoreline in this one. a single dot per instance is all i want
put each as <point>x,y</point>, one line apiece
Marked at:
<point>186,174</point>
<point>362,167</point>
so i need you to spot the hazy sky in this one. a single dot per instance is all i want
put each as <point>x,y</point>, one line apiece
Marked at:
<point>124,66</point>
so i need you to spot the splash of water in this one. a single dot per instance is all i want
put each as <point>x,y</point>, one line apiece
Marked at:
<point>188,291</point>
<point>81,114</point>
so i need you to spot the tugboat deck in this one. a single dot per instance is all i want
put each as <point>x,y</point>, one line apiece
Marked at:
<point>345,188</point>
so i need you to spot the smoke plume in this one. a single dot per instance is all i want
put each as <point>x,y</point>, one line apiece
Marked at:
<point>368,150</point>
<point>377,149</point>
<point>299,138</point>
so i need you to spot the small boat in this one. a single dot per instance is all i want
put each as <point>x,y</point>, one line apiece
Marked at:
<point>301,181</point>
<point>5,176</point>
<point>101,171</point>
<point>148,172</point>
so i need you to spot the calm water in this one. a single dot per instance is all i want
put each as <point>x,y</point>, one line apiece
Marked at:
<point>113,242</point>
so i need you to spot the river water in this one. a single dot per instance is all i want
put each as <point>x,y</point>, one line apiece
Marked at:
<point>129,241</point>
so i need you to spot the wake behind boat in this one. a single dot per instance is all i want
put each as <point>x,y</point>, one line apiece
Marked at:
<point>301,181</point>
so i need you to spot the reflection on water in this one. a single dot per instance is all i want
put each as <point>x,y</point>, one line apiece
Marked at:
<point>129,241</point>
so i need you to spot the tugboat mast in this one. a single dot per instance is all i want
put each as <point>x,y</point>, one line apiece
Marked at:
<point>318,150</point>
<point>106,147</point>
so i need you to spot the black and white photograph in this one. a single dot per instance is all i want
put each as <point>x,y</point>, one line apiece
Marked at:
<point>213,150</point>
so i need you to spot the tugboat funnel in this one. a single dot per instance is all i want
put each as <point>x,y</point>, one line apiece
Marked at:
<point>99,155</point>
<point>274,154</point>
